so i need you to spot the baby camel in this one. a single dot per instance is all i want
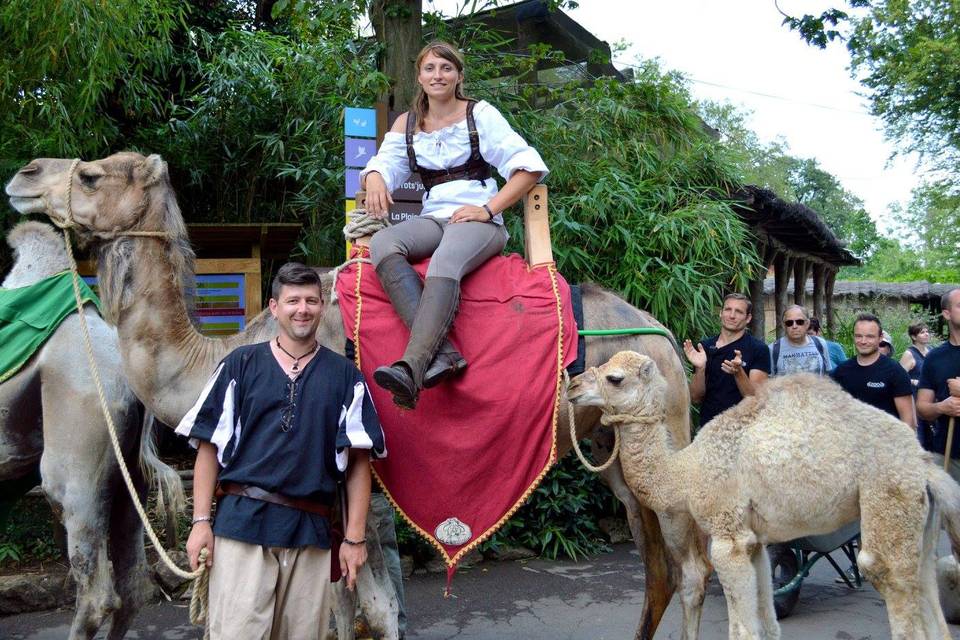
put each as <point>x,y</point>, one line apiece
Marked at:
<point>802,458</point>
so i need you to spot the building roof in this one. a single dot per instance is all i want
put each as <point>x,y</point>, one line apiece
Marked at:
<point>917,291</point>
<point>532,21</point>
<point>796,227</point>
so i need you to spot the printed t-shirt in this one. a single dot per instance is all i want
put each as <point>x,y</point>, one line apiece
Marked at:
<point>876,384</point>
<point>802,359</point>
<point>721,390</point>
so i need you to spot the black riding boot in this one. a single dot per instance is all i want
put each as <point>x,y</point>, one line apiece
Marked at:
<point>404,378</point>
<point>404,287</point>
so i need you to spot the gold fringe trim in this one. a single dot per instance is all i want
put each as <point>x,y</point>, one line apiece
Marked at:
<point>552,460</point>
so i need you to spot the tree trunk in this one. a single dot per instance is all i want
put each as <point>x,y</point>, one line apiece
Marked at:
<point>397,24</point>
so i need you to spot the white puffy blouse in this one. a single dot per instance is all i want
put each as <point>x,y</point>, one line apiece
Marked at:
<point>449,147</point>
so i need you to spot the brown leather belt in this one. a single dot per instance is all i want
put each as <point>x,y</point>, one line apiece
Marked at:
<point>256,493</point>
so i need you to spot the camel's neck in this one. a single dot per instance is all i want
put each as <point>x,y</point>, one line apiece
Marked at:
<point>166,360</point>
<point>649,463</point>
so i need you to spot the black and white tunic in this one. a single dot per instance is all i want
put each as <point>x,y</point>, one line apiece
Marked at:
<point>284,436</point>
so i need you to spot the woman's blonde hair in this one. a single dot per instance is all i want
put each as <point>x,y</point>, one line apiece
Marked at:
<point>448,52</point>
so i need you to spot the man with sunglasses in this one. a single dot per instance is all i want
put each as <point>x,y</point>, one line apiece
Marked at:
<point>796,351</point>
<point>277,427</point>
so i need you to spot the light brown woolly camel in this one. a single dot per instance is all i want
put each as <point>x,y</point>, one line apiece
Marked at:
<point>143,281</point>
<point>801,458</point>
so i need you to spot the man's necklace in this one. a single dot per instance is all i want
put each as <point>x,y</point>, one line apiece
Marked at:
<point>297,359</point>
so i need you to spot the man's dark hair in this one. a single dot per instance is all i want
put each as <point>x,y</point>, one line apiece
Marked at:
<point>739,296</point>
<point>869,317</point>
<point>945,299</point>
<point>814,324</point>
<point>297,274</point>
<point>914,330</point>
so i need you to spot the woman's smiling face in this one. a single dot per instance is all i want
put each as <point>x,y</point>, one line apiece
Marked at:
<point>438,76</point>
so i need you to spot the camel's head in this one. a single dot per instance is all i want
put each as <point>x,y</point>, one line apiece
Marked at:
<point>628,383</point>
<point>105,196</point>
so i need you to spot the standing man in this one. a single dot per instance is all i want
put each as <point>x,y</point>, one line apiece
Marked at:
<point>278,425</point>
<point>872,377</point>
<point>797,352</point>
<point>834,349</point>
<point>938,396</point>
<point>727,367</point>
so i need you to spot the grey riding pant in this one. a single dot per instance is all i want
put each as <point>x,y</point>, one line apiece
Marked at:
<point>457,248</point>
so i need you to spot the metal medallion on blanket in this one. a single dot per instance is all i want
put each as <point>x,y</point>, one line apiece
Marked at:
<point>453,532</point>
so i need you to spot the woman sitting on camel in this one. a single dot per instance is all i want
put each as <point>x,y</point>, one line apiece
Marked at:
<point>452,141</point>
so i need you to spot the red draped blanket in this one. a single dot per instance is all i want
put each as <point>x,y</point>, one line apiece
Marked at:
<point>476,447</point>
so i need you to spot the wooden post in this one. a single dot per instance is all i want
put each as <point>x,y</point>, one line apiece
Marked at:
<point>766,253</point>
<point>782,266</point>
<point>801,271</point>
<point>818,282</point>
<point>828,298</point>
<point>536,227</point>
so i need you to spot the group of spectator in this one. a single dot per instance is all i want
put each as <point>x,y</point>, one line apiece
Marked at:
<point>922,390</point>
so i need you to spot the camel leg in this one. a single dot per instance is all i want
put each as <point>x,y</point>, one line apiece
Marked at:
<point>892,521</point>
<point>732,558</point>
<point>648,538</point>
<point>82,507</point>
<point>765,609</point>
<point>688,550</point>
<point>935,624</point>
<point>374,595</point>
<point>126,539</point>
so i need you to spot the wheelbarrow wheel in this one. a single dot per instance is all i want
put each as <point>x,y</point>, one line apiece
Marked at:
<point>783,568</point>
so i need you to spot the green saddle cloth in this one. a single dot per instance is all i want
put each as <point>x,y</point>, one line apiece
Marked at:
<point>29,315</point>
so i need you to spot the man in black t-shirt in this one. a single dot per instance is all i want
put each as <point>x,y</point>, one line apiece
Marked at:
<point>872,377</point>
<point>938,397</point>
<point>729,366</point>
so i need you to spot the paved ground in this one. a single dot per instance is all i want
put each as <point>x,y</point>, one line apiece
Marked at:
<point>598,599</point>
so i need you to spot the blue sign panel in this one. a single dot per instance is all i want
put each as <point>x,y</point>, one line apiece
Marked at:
<point>352,183</point>
<point>360,122</point>
<point>357,151</point>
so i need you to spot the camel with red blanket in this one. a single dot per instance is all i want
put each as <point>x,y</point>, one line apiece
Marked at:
<point>143,281</point>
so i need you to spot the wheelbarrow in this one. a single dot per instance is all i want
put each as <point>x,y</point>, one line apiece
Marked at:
<point>790,563</point>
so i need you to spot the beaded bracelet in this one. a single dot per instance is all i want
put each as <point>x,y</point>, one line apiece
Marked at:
<point>354,543</point>
<point>201,519</point>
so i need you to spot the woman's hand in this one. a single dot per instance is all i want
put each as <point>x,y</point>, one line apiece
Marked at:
<point>378,198</point>
<point>470,213</point>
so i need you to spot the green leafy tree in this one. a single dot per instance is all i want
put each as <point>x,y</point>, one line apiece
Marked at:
<point>907,54</point>
<point>842,211</point>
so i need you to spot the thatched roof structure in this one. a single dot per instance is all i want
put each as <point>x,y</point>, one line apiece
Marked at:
<point>917,291</point>
<point>796,227</point>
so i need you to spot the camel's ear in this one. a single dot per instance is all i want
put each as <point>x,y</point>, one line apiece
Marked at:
<point>647,368</point>
<point>153,170</point>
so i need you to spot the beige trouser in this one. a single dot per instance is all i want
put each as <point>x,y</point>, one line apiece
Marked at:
<point>268,593</point>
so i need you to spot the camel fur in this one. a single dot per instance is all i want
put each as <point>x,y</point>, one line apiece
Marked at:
<point>143,281</point>
<point>50,414</point>
<point>801,458</point>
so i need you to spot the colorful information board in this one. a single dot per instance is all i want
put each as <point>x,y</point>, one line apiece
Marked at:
<point>220,304</point>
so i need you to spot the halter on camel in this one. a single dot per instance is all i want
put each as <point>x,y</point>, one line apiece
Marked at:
<point>198,602</point>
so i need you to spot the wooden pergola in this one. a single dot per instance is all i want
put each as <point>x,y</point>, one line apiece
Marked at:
<point>794,242</point>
